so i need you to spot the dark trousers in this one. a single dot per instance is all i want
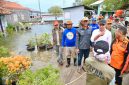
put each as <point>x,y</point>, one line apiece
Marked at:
<point>117,77</point>
<point>83,52</point>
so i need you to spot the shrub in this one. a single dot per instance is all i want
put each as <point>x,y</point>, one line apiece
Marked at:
<point>4,52</point>
<point>10,29</point>
<point>45,76</point>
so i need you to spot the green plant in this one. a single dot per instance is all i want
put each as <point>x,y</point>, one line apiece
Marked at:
<point>10,29</point>
<point>114,4</point>
<point>31,42</point>
<point>45,76</point>
<point>4,52</point>
<point>1,35</point>
<point>44,39</point>
<point>3,73</point>
<point>3,70</point>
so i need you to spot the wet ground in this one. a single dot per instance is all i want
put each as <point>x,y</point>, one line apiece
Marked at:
<point>17,44</point>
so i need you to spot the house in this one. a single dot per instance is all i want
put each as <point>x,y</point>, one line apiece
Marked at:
<point>48,17</point>
<point>76,13</point>
<point>19,12</point>
<point>3,22</point>
<point>99,4</point>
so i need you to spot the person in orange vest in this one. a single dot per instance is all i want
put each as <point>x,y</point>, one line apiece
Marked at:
<point>118,49</point>
<point>125,70</point>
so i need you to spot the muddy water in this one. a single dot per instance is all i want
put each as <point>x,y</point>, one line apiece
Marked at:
<point>18,41</point>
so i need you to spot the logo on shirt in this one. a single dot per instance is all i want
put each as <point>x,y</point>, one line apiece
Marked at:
<point>70,35</point>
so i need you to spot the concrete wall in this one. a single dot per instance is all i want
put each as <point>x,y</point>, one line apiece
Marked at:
<point>74,14</point>
<point>18,16</point>
<point>4,22</point>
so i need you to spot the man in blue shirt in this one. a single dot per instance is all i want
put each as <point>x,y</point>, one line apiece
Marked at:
<point>69,42</point>
<point>94,25</point>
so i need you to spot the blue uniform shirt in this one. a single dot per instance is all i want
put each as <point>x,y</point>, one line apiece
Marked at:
<point>69,37</point>
<point>94,26</point>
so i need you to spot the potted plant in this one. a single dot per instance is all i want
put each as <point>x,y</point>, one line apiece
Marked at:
<point>31,45</point>
<point>40,43</point>
<point>44,42</point>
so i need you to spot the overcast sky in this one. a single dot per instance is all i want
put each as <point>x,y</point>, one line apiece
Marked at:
<point>45,4</point>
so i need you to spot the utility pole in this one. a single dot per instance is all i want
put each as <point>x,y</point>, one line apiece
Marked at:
<point>39,8</point>
<point>63,3</point>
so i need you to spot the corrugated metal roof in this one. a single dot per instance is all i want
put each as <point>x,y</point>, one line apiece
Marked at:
<point>86,7</point>
<point>97,2</point>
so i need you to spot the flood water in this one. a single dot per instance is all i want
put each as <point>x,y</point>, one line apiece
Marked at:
<point>19,40</point>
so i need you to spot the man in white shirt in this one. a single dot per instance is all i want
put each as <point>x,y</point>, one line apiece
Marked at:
<point>102,34</point>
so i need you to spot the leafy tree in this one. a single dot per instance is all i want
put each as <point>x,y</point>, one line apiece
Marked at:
<point>88,2</point>
<point>114,4</point>
<point>109,5</point>
<point>56,11</point>
<point>77,2</point>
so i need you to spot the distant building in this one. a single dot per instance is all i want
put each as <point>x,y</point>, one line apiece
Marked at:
<point>98,3</point>
<point>76,13</point>
<point>19,13</point>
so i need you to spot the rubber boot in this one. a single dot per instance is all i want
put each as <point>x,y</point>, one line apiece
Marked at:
<point>68,62</point>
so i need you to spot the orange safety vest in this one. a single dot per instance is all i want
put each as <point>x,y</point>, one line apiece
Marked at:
<point>117,55</point>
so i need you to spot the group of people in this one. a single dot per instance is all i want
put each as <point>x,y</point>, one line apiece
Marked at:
<point>109,46</point>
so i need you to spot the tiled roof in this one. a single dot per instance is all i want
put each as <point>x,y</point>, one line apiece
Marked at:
<point>14,5</point>
<point>4,11</point>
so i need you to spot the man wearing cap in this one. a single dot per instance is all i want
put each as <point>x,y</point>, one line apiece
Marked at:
<point>94,25</point>
<point>57,38</point>
<point>98,71</point>
<point>100,18</point>
<point>102,34</point>
<point>69,42</point>
<point>83,40</point>
<point>122,21</point>
<point>109,27</point>
<point>115,23</point>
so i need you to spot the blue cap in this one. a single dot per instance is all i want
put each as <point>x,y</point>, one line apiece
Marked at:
<point>93,19</point>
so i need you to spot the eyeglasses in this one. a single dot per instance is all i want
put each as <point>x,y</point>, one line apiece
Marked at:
<point>109,23</point>
<point>85,21</point>
<point>68,24</point>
